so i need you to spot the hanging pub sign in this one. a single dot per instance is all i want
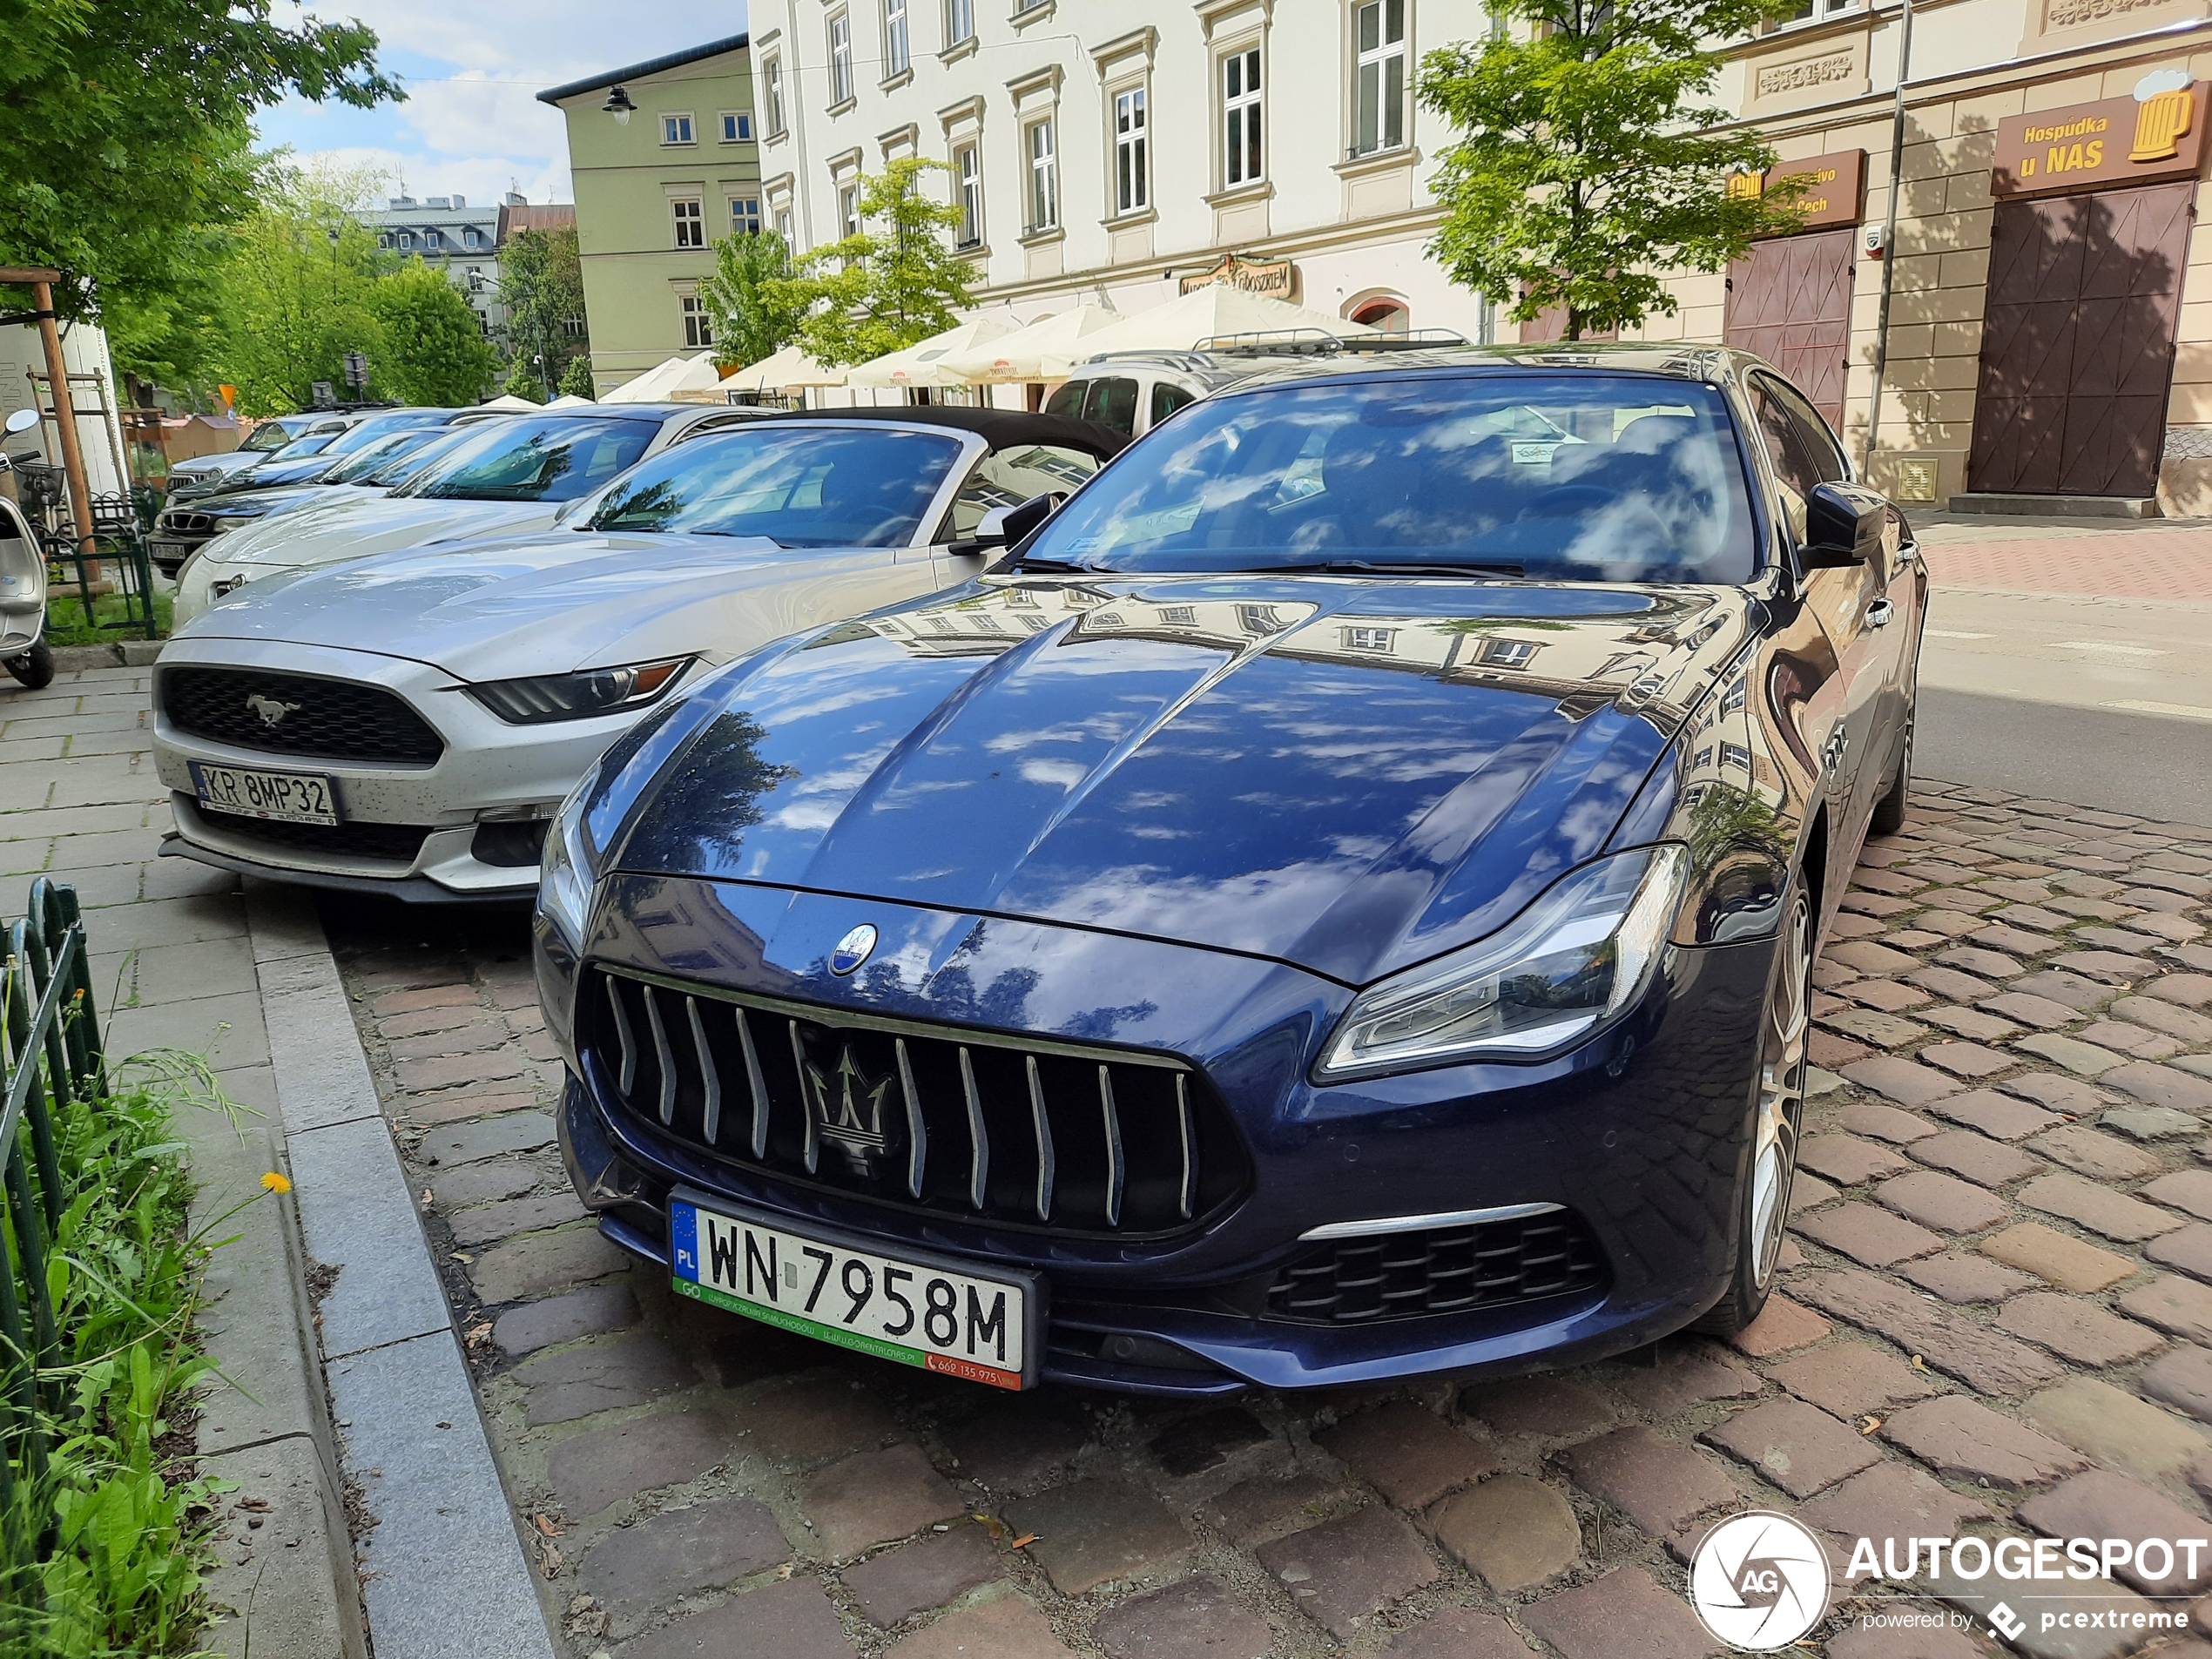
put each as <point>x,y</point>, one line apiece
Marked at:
<point>2155,134</point>
<point>1835,187</point>
<point>1278,278</point>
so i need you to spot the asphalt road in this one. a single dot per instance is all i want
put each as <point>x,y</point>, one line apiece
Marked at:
<point>2105,702</point>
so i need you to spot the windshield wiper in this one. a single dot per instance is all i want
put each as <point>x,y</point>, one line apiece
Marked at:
<point>1049,567</point>
<point>1387,567</point>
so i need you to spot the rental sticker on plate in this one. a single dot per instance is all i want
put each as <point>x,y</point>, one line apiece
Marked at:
<point>914,1308</point>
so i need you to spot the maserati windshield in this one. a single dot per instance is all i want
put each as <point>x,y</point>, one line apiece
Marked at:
<point>1593,478</point>
<point>798,486</point>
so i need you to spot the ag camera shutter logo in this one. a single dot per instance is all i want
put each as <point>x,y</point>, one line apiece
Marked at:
<point>1759,1580</point>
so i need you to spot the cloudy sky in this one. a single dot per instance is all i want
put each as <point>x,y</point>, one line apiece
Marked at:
<point>472,123</point>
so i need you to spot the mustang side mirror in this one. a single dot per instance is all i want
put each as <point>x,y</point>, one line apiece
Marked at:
<point>1004,526</point>
<point>1845,524</point>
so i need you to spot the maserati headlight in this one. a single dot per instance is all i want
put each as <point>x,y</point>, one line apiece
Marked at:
<point>576,697</point>
<point>1571,961</point>
<point>564,868</point>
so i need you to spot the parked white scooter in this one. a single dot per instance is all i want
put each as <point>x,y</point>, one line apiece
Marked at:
<point>23,650</point>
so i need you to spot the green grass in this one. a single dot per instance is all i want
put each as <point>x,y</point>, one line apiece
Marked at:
<point>65,624</point>
<point>103,1554</point>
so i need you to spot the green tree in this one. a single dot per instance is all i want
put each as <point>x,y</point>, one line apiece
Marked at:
<point>540,284</point>
<point>434,350</point>
<point>881,291</point>
<point>1586,165</point>
<point>576,382</point>
<point>756,310</point>
<point>124,147</point>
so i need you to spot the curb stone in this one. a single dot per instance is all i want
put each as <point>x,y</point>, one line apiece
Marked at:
<point>440,1566</point>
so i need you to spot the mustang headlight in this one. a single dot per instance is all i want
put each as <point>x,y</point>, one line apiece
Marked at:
<point>566,868</point>
<point>575,697</point>
<point>1566,965</point>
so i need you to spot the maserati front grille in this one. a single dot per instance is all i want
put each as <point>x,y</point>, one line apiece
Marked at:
<point>1017,1132</point>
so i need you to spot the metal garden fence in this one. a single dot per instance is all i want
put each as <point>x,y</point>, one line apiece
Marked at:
<point>51,1055</point>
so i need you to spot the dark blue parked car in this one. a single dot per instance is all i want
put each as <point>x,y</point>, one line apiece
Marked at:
<point>1335,901</point>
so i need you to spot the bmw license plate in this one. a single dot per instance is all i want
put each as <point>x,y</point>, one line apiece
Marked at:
<point>918,1309</point>
<point>289,796</point>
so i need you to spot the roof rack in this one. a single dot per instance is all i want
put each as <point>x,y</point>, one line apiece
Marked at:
<point>1315,342</point>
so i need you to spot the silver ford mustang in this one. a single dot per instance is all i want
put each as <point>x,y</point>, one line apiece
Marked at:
<point>408,723</point>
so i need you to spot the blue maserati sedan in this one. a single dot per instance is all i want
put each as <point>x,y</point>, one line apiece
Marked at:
<point>1335,901</point>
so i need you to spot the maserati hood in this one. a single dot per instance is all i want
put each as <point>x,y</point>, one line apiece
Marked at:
<point>1352,776</point>
<point>359,524</point>
<point>547,603</point>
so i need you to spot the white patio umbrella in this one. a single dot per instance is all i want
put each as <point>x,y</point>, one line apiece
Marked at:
<point>570,401</point>
<point>923,362</point>
<point>1209,312</point>
<point>510,404</point>
<point>666,381</point>
<point>1048,349</point>
<point>787,370</point>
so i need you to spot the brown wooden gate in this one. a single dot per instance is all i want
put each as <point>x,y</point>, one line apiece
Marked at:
<point>2077,345</point>
<point>1790,301</point>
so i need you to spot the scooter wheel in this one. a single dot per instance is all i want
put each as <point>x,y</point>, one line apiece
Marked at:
<point>35,668</point>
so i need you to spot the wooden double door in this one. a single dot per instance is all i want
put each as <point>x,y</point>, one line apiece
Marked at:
<point>1790,301</point>
<point>2077,355</point>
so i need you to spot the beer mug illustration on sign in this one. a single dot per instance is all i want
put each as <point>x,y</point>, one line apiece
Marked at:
<point>2162,113</point>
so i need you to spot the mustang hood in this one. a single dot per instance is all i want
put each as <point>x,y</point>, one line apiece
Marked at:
<point>549,603</point>
<point>359,524</point>
<point>1349,776</point>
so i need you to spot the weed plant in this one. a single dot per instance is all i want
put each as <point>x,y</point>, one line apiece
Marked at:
<point>103,1548</point>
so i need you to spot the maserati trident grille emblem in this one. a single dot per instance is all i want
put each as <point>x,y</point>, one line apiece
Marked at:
<point>270,710</point>
<point>852,950</point>
<point>848,1110</point>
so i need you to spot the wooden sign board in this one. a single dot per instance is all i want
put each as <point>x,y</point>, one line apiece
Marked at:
<point>2113,142</point>
<point>1278,278</point>
<point>1834,192</point>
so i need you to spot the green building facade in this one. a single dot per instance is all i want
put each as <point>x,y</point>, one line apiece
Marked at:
<point>665,162</point>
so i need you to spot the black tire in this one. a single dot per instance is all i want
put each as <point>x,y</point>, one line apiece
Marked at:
<point>1777,1120</point>
<point>35,668</point>
<point>1888,812</point>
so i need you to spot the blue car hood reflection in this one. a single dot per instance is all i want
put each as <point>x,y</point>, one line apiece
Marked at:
<point>1347,776</point>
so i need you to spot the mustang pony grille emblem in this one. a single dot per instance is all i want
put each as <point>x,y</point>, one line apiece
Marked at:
<point>270,710</point>
<point>846,1110</point>
<point>852,949</point>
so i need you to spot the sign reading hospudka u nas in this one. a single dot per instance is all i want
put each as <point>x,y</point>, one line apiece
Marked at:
<point>2157,134</point>
<point>1834,189</point>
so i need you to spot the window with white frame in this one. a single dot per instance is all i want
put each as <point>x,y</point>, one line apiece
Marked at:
<point>431,239</point>
<point>783,225</point>
<point>699,326</point>
<point>406,238</point>
<point>840,58</point>
<point>472,238</point>
<point>960,21</point>
<point>384,238</point>
<point>736,127</point>
<point>690,217</point>
<point>773,77</point>
<point>848,209</point>
<point>676,129</point>
<point>1378,85</point>
<point>1243,159</point>
<point>968,179</point>
<point>1132,169</point>
<point>1044,176</point>
<point>745,215</point>
<point>897,60</point>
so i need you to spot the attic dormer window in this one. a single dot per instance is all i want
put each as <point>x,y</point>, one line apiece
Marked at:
<point>406,238</point>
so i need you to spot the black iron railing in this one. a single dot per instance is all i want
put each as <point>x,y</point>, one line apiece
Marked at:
<point>51,1057</point>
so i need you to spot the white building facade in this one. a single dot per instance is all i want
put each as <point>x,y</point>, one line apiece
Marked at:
<point>446,232</point>
<point>1110,153</point>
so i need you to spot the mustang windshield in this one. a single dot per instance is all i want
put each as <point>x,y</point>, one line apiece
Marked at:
<point>798,486</point>
<point>545,458</point>
<point>1594,478</point>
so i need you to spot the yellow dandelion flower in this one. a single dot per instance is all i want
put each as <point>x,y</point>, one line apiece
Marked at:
<point>276,1182</point>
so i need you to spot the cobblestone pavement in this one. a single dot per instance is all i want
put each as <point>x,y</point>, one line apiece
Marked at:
<point>1998,1318</point>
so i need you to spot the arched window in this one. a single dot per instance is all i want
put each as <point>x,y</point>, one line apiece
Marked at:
<point>1389,315</point>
